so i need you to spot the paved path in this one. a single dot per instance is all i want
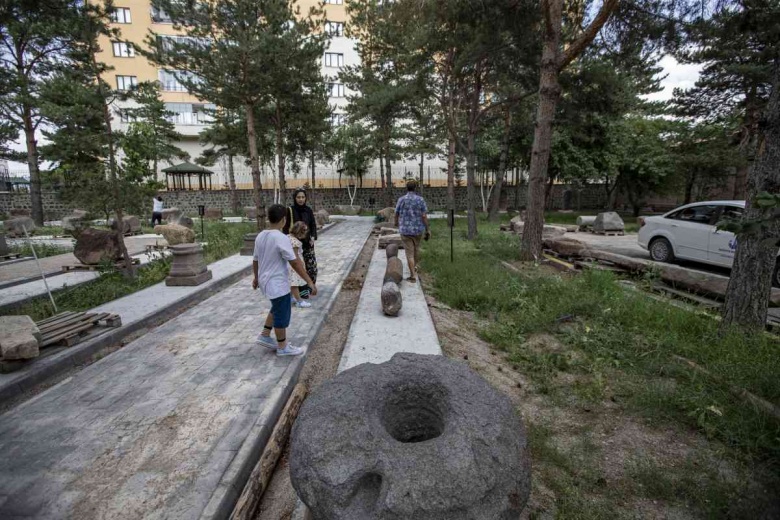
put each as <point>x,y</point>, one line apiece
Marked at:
<point>171,425</point>
<point>374,337</point>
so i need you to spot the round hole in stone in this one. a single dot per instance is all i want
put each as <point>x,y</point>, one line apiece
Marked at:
<point>414,411</point>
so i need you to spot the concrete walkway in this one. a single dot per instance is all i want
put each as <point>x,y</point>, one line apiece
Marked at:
<point>374,337</point>
<point>171,425</point>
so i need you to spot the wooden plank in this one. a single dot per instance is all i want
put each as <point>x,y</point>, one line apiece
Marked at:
<point>246,507</point>
<point>56,317</point>
<point>53,328</point>
<point>74,331</point>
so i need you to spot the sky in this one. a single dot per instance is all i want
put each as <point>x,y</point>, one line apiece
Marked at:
<point>677,75</point>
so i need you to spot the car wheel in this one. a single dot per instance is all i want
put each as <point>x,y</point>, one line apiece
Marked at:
<point>661,250</point>
<point>776,275</point>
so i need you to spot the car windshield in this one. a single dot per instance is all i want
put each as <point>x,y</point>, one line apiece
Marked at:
<point>698,214</point>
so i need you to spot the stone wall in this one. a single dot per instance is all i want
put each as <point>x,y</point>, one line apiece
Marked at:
<point>590,197</point>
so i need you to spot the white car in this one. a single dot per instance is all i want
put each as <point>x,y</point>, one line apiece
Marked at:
<point>689,233</point>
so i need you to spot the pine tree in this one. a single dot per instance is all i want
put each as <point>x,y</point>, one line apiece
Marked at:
<point>35,35</point>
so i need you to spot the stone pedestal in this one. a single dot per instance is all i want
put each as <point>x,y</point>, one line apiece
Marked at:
<point>189,266</point>
<point>248,248</point>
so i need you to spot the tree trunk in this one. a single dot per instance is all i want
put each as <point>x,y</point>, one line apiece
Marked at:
<point>517,188</point>
<point>451,175</point>
<point>747,296</point>
<point>382,171</point>
<point>232,185</point>
<point>254,161</point>
<point>549,92</point>
<point>313,184</point>
<point>422,172</point>
<point>548,202</point>
<point>470,195</point>
<point>280,155</point>
<point>495,202</point>
<point>740,180</point>
<point>389,173</point>
<point>689,182</point>
<point>32,163</point>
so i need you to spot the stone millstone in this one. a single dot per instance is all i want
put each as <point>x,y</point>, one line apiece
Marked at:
<point>15,227</point>
<point>428,440</point>
<point>391,299</point>
<point>175,234</point>
<point>394,271</point>
<point>391,250</point>
<point>94,246</point>
<point>19,338</point>
<point>608,221</point>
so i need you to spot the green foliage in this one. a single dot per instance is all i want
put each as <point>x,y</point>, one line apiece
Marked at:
<point>622,335</point>
<point>355,149</point>
<point>42,249</point>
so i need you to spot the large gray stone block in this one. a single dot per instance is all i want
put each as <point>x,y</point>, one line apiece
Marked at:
<point>418,437</point>
<point>15,227</point>
<point>608,221</point>
<point>96,245</point>
<point>19,338</point>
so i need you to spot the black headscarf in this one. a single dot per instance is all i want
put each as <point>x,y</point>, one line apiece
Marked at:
<point>302,212</point>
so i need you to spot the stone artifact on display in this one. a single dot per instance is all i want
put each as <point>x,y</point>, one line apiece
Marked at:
<point>391,284</point>
<point>427,439</point>
<point>189,266</point>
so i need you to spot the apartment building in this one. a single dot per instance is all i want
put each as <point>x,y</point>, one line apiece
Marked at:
<point>135,18</point>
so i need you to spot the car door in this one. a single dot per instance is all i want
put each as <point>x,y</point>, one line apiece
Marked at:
<point>723,244</point>
<point>691,228</point>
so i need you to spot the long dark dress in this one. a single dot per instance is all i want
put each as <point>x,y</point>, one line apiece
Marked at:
<point>305,214</point>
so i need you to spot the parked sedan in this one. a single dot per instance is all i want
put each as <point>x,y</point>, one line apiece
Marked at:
<point>689,233</point>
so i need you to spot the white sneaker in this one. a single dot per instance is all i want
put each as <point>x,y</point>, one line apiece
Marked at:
<point>267,342</point>
<point>303,304</point>
<point>289,350</point>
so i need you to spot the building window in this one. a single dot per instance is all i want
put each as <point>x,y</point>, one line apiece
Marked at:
<point>121,15</point>
<point>127,116</point>
<point>334,28</point>
<point>126,82</point>
<point>169,80</point>
<point>123,49</point>
<point>338,119</point>
<point>333,59</point>
<point>336,90</point>
<point>189,113</point>
<point>160,16</point>
<point>334,2</point>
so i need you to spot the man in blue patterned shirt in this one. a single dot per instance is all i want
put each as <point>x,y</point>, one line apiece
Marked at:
<point>411,219</point>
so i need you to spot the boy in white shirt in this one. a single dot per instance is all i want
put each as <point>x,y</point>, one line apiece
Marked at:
<point>273,254</point>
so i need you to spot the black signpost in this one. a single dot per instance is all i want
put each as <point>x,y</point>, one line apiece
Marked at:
<point>202,213</point>
<point>452,235</point>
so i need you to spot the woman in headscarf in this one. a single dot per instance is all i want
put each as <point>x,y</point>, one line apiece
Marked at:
<point>299,211</point>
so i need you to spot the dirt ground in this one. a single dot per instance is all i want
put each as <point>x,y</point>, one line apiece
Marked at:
<point>279,500</point>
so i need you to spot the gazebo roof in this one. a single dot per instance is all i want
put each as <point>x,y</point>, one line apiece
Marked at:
<point>187,167</point>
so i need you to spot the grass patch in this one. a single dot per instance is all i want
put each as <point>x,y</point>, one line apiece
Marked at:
<point>624,341</point>
<point>224,239</point>
<point>43,250</point>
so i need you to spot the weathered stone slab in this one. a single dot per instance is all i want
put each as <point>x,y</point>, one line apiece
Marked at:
<point>213,214</point>
<point>391,299</point>
<point>175,234</point>
<point>171,215</point>
<point>548,231</point>
<point>516,223</point>
<point>608,221</point>
<point>15,227</point>
<point>322,217</point>
<point>387,214</point>
<point>388,231</point>
<point>428,439</point>
<point>565,246</point>
<point>349,210</point>
<point>19,338</point>
<point>390,239</point>
<point>250,212</point>
<point>131,224</point>
<point>94,246</point>
<point>186,222</point>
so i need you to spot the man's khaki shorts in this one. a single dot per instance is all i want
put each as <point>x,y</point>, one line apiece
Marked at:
<point>412,246</point>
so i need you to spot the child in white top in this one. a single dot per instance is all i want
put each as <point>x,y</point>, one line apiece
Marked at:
<point>298,232</point>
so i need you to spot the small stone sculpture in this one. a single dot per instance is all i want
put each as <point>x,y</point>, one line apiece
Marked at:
<point>428,440</point>
<point>394,274</point>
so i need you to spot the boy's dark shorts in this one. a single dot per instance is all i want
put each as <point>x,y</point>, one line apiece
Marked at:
<point>281,308</point>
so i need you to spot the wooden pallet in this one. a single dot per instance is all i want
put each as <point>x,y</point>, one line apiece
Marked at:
<point>85,267</point>
<point>64,330</point>
<point>10,256</point>
<point>69,328</point>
